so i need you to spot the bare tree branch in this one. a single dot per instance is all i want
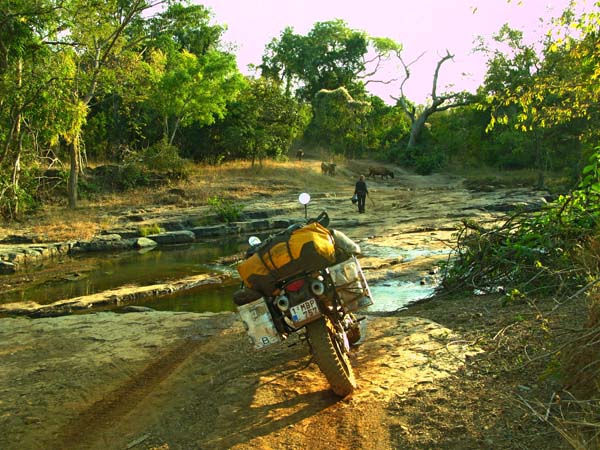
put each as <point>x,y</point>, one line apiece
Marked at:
<point>392,80</point>
<point>437,72</point>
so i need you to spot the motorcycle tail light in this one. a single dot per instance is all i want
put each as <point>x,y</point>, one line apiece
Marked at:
<point>295,286</point>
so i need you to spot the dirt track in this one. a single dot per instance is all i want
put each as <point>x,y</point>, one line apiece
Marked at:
<point>206,388</point>
<point>191,381</point>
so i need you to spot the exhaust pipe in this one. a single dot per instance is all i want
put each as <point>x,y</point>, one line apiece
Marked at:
<point>317,287</point>
<point>283,303</point>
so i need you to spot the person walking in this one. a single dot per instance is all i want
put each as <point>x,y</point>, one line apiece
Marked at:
<point>361,191</point>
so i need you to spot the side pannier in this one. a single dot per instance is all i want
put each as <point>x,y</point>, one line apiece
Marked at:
<point>284,255</point>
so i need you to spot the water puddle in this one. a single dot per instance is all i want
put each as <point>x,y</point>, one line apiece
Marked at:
<point>397,295</point>
<point>380,251</point>
<point>215,300</point>
<point>100,273</point>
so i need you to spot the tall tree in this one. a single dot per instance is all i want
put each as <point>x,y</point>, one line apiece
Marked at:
<point>330,56</point>
<point>31,100</point>
<point>418,115</point>
<point>262,122</point>
<point>96,37</point>
<point>194,89</point>
<point>567,80</point>
<point>190,78</point>
<point>340,119</point>
<point>541,94</point>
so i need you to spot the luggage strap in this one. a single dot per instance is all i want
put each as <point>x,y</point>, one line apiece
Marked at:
<point>275,268</point>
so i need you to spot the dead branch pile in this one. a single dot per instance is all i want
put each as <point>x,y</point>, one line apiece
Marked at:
<point>531,254</point>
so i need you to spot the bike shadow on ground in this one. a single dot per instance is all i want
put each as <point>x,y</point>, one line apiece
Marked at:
<point>279,391</point>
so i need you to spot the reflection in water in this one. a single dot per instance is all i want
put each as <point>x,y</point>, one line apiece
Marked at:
<point>175,262</point>
<point>214,299</point>
<point>110,271</point>
<point>395,296</point>
<point>380,251</point>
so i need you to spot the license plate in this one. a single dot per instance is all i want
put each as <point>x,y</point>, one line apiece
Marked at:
<point>305,311</point>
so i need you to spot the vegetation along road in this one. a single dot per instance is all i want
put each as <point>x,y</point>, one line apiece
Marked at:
<point>131,119</point>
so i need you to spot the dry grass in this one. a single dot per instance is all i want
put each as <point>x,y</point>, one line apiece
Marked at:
<point>62,224</point>
<point>579,418</point>
<point>582,366</point>
<point>237,181</point>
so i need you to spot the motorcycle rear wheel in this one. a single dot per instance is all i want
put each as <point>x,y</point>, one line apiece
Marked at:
<point>331,357</point>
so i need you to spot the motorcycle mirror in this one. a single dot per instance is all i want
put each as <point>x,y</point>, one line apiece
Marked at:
<point>304,198</point>
<point>254,241</point>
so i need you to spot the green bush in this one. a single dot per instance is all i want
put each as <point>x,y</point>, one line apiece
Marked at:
<point>427,163</point>
<point>131,175</point>
<point>22,199</point>
<point>164,158</point>
<point>147,230</point>
<point>15,202</point>
<point>423,159</point>
<point>226,210</point>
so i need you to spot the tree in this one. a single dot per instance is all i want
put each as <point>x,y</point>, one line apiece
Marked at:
<point>386,126</point>
<point>95,39</point>
<point>194,89</point>
<point>174,76</point>
<point>439,102</point>
<point>548,95</point>
<point>330,56</point>
<point>565,85</point>
<point>262,122</point>
<point>385,49</point>
<point>340,119</point>
<point>32,102</point>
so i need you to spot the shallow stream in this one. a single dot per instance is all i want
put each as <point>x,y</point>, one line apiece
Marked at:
<point>100,273</point>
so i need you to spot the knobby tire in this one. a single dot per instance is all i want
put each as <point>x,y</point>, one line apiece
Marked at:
<point>330,356</point>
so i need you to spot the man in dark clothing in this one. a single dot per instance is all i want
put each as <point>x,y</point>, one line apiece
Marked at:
<point>361,192</point>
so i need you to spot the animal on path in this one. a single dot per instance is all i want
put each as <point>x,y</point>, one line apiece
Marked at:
<point>299,155</point>
<point>328,168</point>
<point>384,172</point>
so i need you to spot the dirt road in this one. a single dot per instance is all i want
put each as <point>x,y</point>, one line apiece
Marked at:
<point>161,380</point>
<point>205,388</point>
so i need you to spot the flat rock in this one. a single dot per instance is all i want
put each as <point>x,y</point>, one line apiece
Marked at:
<point>173,237</point>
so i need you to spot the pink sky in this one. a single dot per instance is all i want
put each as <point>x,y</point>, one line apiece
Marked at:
<point>430,26</point>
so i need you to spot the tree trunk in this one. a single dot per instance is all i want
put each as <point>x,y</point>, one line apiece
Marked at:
<point>73,175</point>
<point>540,162</point>
<point>19,147</point>
<point>15,184</point>
<point>415,130</point>
<point>174,132</point>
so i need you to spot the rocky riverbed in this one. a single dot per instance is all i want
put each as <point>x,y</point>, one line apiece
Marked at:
<point>178,380</point>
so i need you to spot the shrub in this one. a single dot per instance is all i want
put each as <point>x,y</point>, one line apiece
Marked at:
<point>535,253</point>
<point>147,230</point>
<point>163,157</point>
<point>131,175</point>
<point>226,210</point>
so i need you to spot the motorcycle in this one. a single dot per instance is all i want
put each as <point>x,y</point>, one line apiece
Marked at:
<point>317,286</point>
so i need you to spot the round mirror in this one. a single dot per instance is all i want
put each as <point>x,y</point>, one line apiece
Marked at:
<point>253,241</point>
<point>304,198</point>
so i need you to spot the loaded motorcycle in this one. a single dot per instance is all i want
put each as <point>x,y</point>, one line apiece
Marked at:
<point>306,278</point>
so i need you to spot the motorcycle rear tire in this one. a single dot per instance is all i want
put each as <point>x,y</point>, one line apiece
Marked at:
<point>331,356</point>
